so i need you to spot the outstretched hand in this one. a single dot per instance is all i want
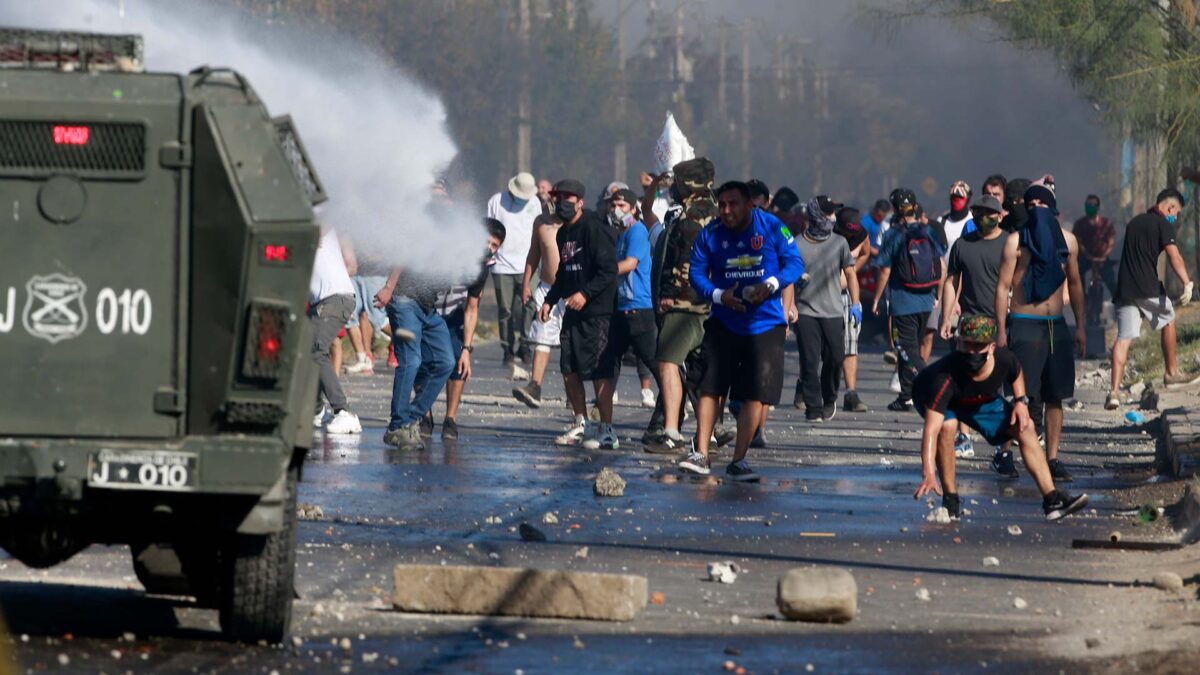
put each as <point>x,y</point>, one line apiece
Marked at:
<point>929,483</point>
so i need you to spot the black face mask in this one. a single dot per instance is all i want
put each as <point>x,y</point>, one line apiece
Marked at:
<point>974,362</point>
<point>565,210</point>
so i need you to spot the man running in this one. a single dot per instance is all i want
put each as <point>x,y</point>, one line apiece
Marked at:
<point>1039,260</point>
<point>587,281</point>
<point>1140,294</point>
<point>964,388</point>
<point>543,335</point>
<point>741,262</point>
<point>820,327</point>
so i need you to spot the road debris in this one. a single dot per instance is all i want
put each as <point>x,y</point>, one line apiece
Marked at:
<point>723,572</point>
<point>923,594</point>
<point>1020,603</point>
<point>550,519</point>
<point>1014,530</point>
<point>822,594</point>
<point>1168,581</point>
<point>939,515</point>
<point>609,483</point>
<point>991,561</point>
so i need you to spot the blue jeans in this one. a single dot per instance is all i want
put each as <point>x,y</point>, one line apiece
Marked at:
<point>424,364</point>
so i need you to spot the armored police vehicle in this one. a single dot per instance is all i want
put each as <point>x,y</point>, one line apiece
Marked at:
<point>156,241</point>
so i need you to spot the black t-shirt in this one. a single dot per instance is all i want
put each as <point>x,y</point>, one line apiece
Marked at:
<point>587,257</point>
<point>978,260</point>
<point>947,382</point>
<point>1145,238</point>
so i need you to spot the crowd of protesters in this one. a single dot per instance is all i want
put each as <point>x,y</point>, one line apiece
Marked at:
<point>701,283</point>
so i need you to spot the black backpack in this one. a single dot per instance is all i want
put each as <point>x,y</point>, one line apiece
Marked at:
<point>919,267</point>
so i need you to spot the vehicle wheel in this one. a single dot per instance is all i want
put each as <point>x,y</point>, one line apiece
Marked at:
<point>258,573</point>
<point>158,567</point>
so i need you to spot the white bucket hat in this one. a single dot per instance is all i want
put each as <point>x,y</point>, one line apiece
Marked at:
<point>522,186</point>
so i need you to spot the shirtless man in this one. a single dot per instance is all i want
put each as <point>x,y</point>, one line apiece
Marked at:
<point>543,255</point>
<point>1038,261</point>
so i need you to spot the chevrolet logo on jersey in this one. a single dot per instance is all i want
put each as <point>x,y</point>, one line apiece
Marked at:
<point>744,262</point>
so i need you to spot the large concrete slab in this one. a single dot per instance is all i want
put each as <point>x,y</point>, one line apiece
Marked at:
<point>820,594</point>
<point>514,591</point>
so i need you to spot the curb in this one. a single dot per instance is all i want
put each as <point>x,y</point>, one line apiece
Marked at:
<point>1181,435</point>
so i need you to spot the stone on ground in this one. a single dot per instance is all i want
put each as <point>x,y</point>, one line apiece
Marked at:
<point>609,483</point>
<point>824,594</point>
<point>1168,581</point>
<point>514,591</point>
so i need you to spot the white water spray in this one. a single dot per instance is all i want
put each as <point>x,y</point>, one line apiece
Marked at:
<point>377,138</point>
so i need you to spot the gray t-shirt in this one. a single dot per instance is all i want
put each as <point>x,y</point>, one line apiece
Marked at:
<point>978,260</point>
<point>823,263</point>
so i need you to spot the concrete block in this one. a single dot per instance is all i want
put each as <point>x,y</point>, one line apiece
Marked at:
<point>823,594</point>
<point>513,591</point>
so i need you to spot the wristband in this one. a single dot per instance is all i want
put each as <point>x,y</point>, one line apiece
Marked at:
<point>1021,399</point>
<point>469,348</point>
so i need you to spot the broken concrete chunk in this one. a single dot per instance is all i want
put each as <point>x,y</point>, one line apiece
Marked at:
<point>1168,581</point>
<point>609,483</point>
<point>824,594</point>
<point>512,591</point>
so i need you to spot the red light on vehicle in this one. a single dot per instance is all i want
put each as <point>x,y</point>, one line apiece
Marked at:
<point>65,135</point>
<point>268,348</point>
<point>275,253</point>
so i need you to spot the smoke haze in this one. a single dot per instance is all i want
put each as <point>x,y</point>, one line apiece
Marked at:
<point>378,139</point>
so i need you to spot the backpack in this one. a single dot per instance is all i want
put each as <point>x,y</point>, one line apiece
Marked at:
<point>919,267</point>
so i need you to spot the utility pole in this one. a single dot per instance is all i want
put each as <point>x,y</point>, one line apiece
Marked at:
<point>569,5</point>
<point>524,106</point>
<point>746,164</point>
<point>619,152</point>
<point>680,91</point>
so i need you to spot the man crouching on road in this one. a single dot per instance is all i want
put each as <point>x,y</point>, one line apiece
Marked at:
<point>741,261</point>
<point>965,387</point>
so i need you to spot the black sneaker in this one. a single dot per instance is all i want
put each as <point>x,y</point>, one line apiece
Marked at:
<point>1059,472</point>
<point>651,434</point>
<point>509,360</point>
<point>759,440</point>
<point>813,415</point>
<point>900,405</point>
<point>663,445</point>
<point>829,411</point>
<point>1003,464</point>
<point>1058,504</point>
<point>530,394</point>
<point>695,463</point>
<point>852,403</point>
<point>740,471</point>
<point>426,426</point>
<point>449,429</point>
<point>722,436</point>
<point>953,505</point>
<point>798,399</point>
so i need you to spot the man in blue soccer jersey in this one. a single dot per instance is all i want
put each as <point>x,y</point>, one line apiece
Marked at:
<point>741,261</point>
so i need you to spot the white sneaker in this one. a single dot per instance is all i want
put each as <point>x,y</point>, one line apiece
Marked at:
<point>344,422</point>
<point>319,418</point>
<point>602,442</point>
<point>648,398</point>
<point>895,385</point>
<point>364,365</point>
<point>575,435</point>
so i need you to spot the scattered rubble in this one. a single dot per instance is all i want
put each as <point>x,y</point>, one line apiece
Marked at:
<point>939,515</point>
<point>991,561</point>
<point>609,484</point>
<point>309,512</point>
<point>1020,603</point>
<point>1014,530</point>
<point>723,572</point>
<point>824,594</point>
<point>923,594</point>
<point>550,519</point>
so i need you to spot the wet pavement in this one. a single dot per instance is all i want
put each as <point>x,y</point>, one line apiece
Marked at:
<point>838,493</point>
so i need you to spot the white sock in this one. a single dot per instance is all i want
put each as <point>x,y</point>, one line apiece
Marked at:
<point>674,434</point>
<point>580,419</point>
<point>362,357</point>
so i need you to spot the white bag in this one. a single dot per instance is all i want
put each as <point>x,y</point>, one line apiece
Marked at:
<point>672,147</point>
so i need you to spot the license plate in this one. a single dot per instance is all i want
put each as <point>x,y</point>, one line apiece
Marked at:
<point>142,470</point>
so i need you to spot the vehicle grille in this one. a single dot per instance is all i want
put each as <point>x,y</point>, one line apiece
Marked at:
<point>113,149</point>
<point>293,150</point>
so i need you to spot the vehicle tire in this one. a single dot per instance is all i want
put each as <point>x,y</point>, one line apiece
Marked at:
<point>258,579</point>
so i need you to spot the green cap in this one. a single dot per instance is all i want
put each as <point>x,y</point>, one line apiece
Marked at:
<point>975,328</point>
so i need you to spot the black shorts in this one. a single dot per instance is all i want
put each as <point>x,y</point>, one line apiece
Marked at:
<point>1046,350</point>
<point>583,342</point>
<point>635,328</point>
<point>747,367</point>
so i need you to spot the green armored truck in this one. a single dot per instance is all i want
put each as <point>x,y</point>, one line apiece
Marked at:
<point>156,241</point>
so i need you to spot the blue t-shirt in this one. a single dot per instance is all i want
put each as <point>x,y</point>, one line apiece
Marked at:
<point>901,300</point>
<point>873,229</point>
<point>634,291</point>
<point>722,258</point>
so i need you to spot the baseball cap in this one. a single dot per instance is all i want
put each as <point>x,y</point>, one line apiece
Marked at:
<point>977,328</point>
<point>570,186</point>
<point>614,187</point>
<point>623,193</point>
<point>987,203</point>
<point>828,206</point>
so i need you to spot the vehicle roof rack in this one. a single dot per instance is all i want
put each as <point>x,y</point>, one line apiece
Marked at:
<point>69,51</point>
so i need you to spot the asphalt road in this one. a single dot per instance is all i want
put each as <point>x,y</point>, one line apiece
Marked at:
<point>832,494</point>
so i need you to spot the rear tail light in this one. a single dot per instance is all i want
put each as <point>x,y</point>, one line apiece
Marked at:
<point>265,332</point>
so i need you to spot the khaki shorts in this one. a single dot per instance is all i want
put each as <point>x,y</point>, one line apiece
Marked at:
<point>678,335</point>
<point>1158,311</point>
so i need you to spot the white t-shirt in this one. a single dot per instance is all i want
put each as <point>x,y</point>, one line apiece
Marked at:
<point>518,231</point>
<point>954,230</point>
<point>329,275</point>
